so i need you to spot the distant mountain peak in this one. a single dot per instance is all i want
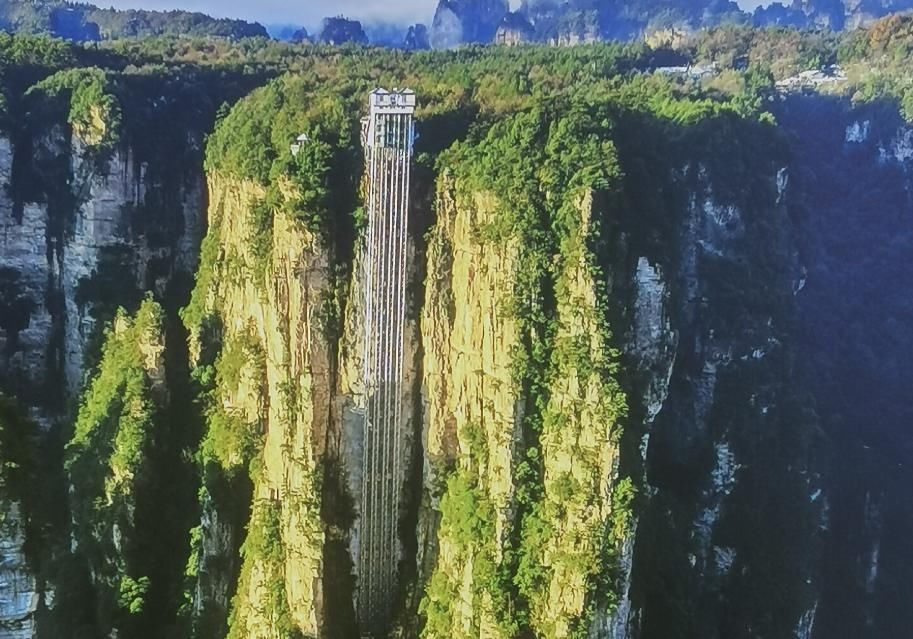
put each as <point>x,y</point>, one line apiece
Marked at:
<point>86,22</point>
<point>466,21</point>
<point>459,22</point>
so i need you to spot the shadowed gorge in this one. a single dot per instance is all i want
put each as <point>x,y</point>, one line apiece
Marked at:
<point>860,386</point>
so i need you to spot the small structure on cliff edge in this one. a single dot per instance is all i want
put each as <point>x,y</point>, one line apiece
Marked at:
<point>387,136</point>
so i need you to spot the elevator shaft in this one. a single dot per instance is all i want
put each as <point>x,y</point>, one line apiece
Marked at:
<point>388,138</point>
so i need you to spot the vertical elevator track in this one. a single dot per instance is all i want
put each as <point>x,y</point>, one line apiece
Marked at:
<point>387,137</point>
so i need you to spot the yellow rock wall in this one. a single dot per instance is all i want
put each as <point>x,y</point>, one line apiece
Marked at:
<point>579,441</point>
<point>469,337</point>
<point>289,400</point>
<point>308,399</point>
<point>474,423</point>
<point>468,387</point>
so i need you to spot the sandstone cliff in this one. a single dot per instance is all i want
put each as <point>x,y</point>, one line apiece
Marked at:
<point>608,431</point>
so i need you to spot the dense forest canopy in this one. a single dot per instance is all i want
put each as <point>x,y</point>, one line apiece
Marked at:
<point>874,59</point>
<point>85,22</point>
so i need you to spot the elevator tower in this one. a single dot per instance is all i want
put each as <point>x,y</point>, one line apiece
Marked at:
<point>387,137</point>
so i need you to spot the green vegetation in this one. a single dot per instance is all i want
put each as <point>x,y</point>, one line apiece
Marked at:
<point>581,422</point>
<point>79,21</point>
<point>467,522</point>
<point>264,552</point>
<point>541,163</point>
<point>783,51</point>
<point>540,131</point>
<point>107,462</point>
<point>25,60</point>
<point>226,460</point>
<point>120,559</point>
<point>95,113</point>
<point>879,58</point>
<point>253,142</point>
<point>876,58</point>
<point>230,441</point>
<point>197,314</point>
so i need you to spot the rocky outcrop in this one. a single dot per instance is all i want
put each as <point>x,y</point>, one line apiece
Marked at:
<point>19,592</point>
<point>80,235</point>
<point>513,30</point>
<point>416,38</point>
<point>74,267</point>
<point>459,22</point>
<point>339,31</point>
<point>117,433</point>
<point>282,391</point>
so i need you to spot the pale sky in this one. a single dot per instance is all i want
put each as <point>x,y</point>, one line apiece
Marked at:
<point>309,12</point>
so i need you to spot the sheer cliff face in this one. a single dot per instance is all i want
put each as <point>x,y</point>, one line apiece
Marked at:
<point>67,262</point>
<point>459,22</point>
<point>581,21</point>
<point>574,339</point>
<point>281,391</point>
<point>95,236</point>
<point>859,298</point>
<point>476,407</point>
<point>729,394</point>
<point>623,411</point>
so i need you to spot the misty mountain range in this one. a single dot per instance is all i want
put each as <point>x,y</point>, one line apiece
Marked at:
<point>456,22</point>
